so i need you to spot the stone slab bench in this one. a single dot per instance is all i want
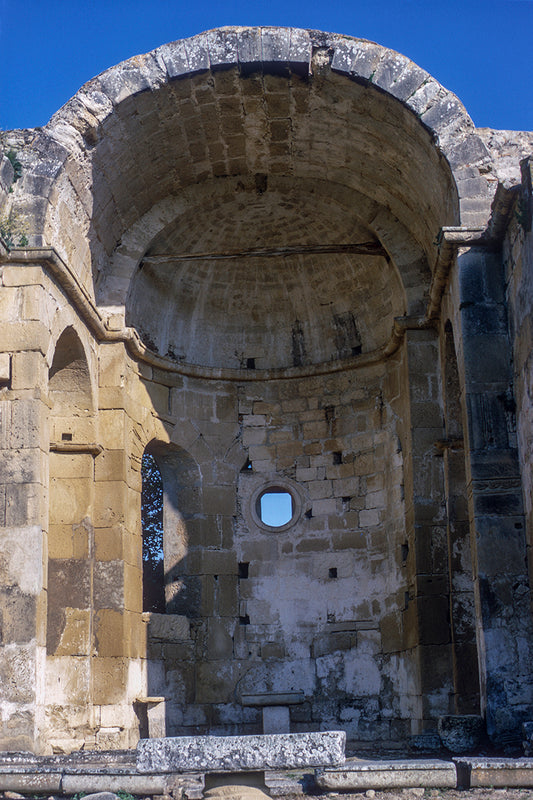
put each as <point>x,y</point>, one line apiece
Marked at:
<point>225,754</point>
<point>362,774</point>
<point>497,772</point>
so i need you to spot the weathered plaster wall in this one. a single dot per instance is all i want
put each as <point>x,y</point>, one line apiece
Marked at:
<point>315,608</point>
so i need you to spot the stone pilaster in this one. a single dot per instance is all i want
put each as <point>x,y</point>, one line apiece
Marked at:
<point>495,498</point>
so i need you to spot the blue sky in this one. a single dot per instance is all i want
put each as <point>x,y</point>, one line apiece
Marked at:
<point>480,49</point>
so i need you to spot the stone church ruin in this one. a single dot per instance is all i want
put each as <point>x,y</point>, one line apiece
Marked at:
<point>271,263</point>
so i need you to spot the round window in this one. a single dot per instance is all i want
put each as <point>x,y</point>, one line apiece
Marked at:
<point>275,506</point>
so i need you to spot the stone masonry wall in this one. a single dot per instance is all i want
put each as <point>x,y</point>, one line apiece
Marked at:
<point>312,608</point>
<point>518,261</point>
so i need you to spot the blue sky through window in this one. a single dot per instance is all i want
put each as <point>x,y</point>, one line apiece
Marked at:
<point>276,508</point>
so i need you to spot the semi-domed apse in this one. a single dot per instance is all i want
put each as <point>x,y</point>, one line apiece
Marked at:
<point>265,266</point>
<point>257,198</point>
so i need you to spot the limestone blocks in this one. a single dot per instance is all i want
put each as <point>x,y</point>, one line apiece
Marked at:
<point>240,753</point>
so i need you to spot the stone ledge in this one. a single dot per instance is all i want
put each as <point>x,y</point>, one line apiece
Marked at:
<point>241,753</point>
<point>272,699</point>
<point>134,784</point>
<point>357,775</point>
<point>31,782</point>
<point>495,772</point>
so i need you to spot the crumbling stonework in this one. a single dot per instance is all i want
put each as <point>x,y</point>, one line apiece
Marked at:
<point>275,260</point>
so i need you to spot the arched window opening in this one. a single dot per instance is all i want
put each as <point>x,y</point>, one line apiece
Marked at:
<point>70,530</point>
<point>69,384</point>
<point>152,536</point>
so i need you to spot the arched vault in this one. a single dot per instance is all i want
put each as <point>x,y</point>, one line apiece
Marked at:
<point>258,179</point>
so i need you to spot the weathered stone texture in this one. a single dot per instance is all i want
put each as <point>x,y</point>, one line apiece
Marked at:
<point>360,775</point>
<point>240,753</point>
<point>304,290</point>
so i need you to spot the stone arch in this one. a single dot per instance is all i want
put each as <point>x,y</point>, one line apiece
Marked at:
<point>353,144</point>
<point>87,224</point>
<point>70,567</point>
<point>182,512</point>
<point>69,382</point>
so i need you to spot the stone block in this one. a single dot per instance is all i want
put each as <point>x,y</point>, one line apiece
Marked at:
<point>358,775</point>
<point>5,368</point>
<point>140,785</point>
<point>502,548</point>
<point>110,465</point>
<point>108,543</point>
<point>276,719</point>
<point>69,583</point>
<point>23,423</point>
<point>112,428</point>
<point>461,733</point>
<point>109,679</point>
<point>67,680</point>
<point>368,518</point>
<point>220,641</point>
<point>249,50</point>
<point>71,465</point>
<point>109,633</point>
<point>110,502</point>
<point>272,699</point>
<point>226,597</point>
<point>21,558</point>
<point>433,619</point>
<point>108,585</point>
<point>28,371</point>
<point>74,634</point>
<point>333,642</point>
<point>222,46</point>
<point>496,772</point>
<point>17,678</point>
<point>215,562</point>
<point>70,500</point>
<point>26,335</point>
<point>167,627</point>
<point>175,58</point>
<point>300,52</point>
<point>240,753</point>
<point>324,507</point>
<point>216,681</point>
<point>19,616</point>
<point>33,783</point>
<point>219,500</point>
<point>391,633</point>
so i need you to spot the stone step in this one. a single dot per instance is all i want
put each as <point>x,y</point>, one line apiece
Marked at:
<point>359,774</point>
<point>29,774</point>
<point>494,772</point>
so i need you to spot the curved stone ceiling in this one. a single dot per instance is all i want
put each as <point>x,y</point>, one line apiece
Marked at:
<point>231,308</point>
<point>335,141</point>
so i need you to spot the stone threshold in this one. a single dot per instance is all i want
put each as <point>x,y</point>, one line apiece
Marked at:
<point>91,771</point>
<point>495,772</point>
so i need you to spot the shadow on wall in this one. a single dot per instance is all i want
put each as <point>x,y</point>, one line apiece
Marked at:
<point>171,516</point>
